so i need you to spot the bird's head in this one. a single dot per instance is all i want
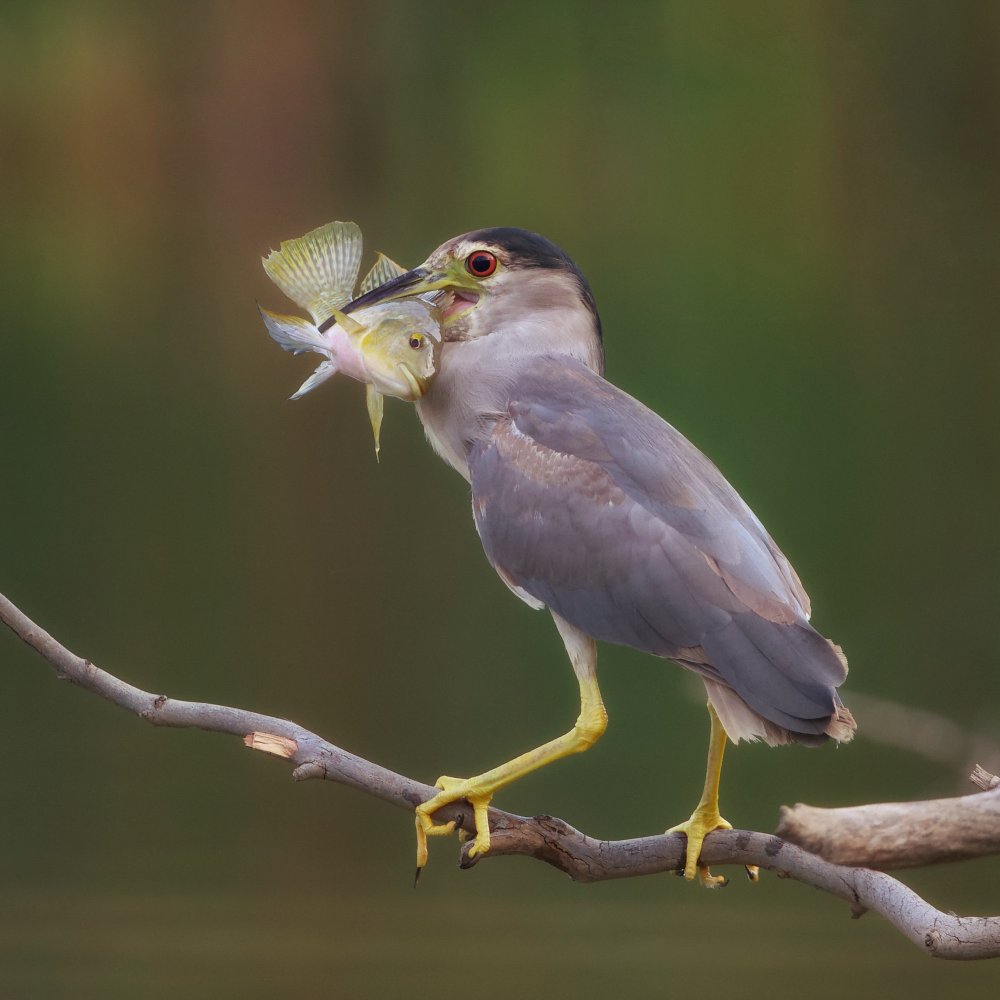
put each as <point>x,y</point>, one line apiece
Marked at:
<point>502,282</point>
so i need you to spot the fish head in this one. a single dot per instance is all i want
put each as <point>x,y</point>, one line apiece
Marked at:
<point>400,346</point>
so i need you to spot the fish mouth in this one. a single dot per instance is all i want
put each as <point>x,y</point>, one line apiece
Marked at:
<point>416,384</point>
<point>399,382</point>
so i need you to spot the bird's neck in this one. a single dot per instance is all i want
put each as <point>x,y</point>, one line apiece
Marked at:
<point>476,378</point>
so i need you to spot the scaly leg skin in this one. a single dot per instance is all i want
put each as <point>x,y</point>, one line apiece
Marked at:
<point>706,816</point>
<point>590,724</point>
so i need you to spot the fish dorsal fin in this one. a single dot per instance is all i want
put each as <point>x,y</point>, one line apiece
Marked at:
<point>385,269</point>
<point>318,271</point>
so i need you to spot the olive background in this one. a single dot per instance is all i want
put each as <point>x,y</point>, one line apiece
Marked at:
<point>788,212</point>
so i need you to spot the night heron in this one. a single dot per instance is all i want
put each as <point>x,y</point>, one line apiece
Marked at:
<point>590,505</point>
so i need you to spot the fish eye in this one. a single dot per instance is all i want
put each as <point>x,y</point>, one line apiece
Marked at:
<point>481,263</point>
<point>416,341</point>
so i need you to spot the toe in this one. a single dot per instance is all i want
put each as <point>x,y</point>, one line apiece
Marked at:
<point>691,867</point>
<point>421,847</point>
<point>710,881</point>
<point>701,823</point>
<point>452,790</point>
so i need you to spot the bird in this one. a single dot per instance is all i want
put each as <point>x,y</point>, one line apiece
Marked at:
<point>591,505</point>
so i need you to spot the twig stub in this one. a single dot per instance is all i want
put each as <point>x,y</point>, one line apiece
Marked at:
<point>982,778</point>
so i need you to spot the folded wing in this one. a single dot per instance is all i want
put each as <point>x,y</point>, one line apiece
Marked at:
<point>591,504</point>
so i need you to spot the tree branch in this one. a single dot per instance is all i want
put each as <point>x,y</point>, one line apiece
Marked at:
<point>548,839</point>
<point>892,835</point>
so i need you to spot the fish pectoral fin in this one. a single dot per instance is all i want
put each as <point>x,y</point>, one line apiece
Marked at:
<point>350,326</point>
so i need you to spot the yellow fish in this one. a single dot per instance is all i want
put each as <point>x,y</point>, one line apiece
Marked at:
<point>394,347</point>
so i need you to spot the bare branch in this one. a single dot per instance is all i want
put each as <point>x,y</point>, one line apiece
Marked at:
<point>892,835</point>
<point>584,859</point>
<point>543,837</point>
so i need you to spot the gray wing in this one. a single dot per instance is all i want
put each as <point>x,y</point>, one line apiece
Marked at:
<point>596,507</point>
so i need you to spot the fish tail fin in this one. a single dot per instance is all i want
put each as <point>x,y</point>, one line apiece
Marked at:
<point>318,271</point>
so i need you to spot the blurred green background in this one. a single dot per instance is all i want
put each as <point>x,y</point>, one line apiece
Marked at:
<point>789,216</point>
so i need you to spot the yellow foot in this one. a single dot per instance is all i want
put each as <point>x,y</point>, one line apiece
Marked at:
<point>702,822</point>
<point>453,789</point>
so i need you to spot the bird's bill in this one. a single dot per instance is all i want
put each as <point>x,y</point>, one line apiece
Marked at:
<point>420,281</point>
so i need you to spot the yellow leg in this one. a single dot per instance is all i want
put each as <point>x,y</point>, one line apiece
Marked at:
<point>706,816</point>
<point>590,724</point>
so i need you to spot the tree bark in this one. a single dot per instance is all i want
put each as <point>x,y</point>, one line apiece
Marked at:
<point>893,835</point>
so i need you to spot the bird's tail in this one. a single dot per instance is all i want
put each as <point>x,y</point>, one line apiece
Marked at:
<point>741,722</point>
<point>842,726</point>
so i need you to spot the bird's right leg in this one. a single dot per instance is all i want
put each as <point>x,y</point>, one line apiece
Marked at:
<point>590,725</point>
<point>706,816</point>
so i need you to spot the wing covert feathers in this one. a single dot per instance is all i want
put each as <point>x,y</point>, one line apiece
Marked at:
<point>591,504</point>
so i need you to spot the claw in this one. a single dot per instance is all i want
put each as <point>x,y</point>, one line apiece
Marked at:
<point>427,828</point>
<point>452,790</point>
<point>710,881</point>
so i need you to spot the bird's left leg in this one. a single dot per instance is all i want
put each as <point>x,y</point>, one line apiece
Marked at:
<point>706,816</point>
<point>590,724</point>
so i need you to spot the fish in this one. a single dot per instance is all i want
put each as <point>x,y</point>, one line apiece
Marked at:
<point>393,348</point>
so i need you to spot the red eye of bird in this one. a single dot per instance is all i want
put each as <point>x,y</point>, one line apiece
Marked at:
<point>481,264</point>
